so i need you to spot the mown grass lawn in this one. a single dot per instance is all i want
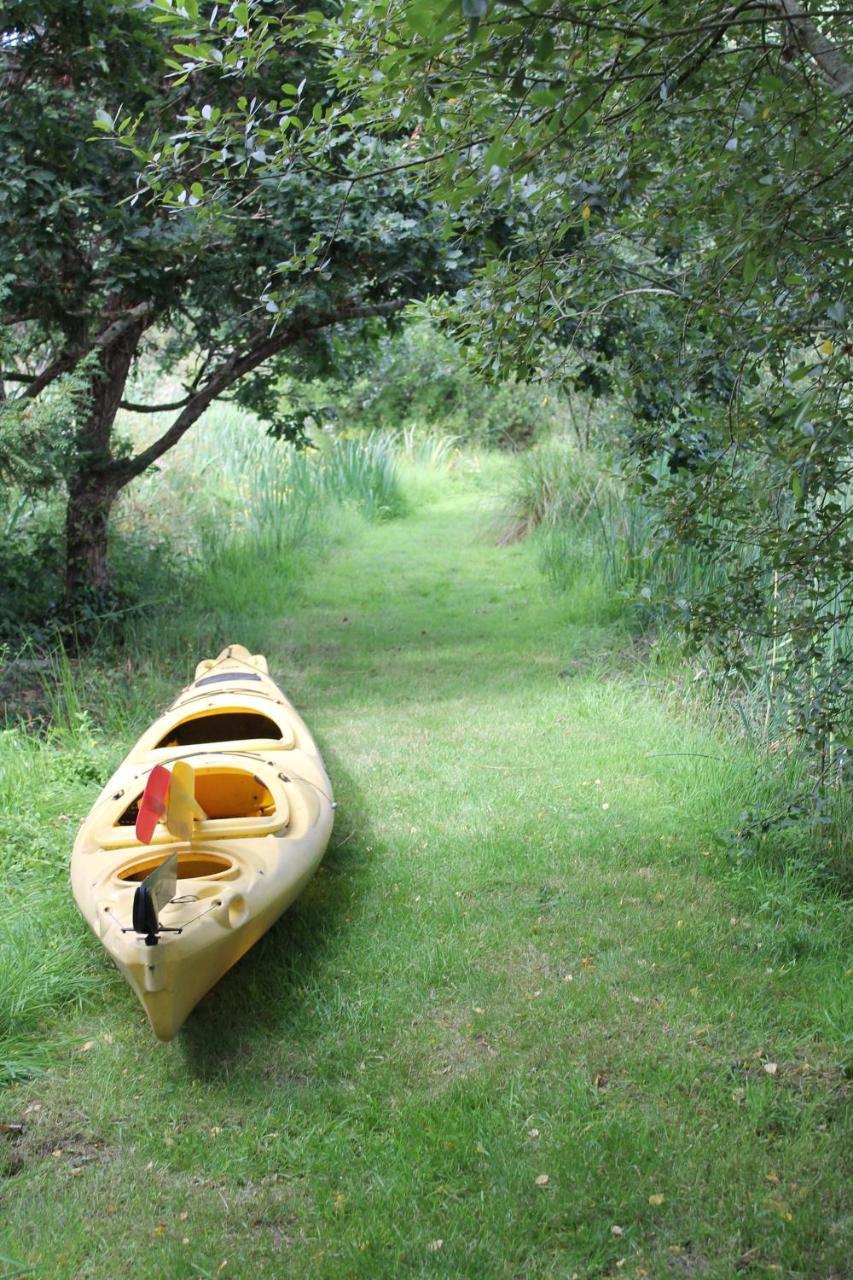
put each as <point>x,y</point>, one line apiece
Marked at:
<point>531,1019</point>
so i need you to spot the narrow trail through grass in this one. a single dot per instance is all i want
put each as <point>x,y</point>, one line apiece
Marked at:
<point>516,1027</point>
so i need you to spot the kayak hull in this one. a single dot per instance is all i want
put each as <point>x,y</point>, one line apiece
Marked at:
<point>269,815</point>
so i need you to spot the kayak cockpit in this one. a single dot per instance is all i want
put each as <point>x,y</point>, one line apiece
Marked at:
<point>221,726</point>
<point>163,880</point>
<point>222,793</point>
<point>235,801</point>
<point>191,865</point>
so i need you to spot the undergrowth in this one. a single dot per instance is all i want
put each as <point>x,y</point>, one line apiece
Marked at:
<point>599,542</point>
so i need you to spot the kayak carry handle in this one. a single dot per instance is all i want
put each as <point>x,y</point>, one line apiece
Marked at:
<point>157,889</point>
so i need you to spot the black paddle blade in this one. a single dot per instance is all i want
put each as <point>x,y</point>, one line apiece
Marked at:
<point>158,888</point>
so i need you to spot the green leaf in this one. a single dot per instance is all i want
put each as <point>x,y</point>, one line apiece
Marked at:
<point>750,266</point>
<point>420,20</point>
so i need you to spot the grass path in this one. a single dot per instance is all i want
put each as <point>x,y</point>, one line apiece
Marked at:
<point>517,1026</point>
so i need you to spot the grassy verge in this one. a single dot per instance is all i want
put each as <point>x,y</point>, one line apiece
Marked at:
<point>531,1018</point>
<point>601,542</point>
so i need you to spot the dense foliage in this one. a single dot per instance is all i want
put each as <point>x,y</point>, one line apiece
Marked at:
<point>663,193</point>
<point>685,223</point>
<point>414,378</point>
<point>90,272</point>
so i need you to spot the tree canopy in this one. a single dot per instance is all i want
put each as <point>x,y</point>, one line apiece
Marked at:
<point>91,269</point>
<point>663,193</point>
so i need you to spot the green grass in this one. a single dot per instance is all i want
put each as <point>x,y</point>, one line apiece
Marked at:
<point>532,1018</point>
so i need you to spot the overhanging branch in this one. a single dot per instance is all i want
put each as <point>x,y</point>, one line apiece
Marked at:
<point>235,367</point>
<point>152,408</point>
<point>835,70</point>
<point>71,357</point>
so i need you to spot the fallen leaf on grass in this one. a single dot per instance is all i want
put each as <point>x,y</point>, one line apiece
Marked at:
<point>771,1068</point>
<point>656,1199</point>
<point>84,1048</point>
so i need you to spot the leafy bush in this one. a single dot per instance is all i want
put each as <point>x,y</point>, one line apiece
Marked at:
<point>30,566</point>
<point>33,609</point>
<point>418,378</point>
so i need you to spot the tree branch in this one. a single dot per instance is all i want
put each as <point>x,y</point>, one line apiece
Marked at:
<point>152,408</point>
<point>832,66</point>
<point>240,363</point>
<point>72,356</point>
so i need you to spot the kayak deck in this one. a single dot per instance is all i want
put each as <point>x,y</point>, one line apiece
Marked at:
<point>266,800</point>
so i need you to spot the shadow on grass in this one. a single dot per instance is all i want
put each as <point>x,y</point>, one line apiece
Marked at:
<point>266,996</point>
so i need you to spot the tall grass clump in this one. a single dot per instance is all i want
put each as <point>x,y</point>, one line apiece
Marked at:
<point>429,449</point>
<point>246,512</point>
<point>599,541</point>
<point>361,471</point>
<point>43,968</point>
<point>234,480</point>
<point>43,952</point>
<point>591,526</point>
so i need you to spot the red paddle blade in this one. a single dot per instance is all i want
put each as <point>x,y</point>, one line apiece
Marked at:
<point>152,803</point>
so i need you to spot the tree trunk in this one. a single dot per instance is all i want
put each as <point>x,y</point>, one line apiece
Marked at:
<point>90,499</point>
<point>98,477</point>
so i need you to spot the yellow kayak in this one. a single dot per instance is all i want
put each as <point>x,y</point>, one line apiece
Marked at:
<point>235,809</point>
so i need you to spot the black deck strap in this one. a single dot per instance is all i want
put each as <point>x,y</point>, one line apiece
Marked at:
<point>237,675</point>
